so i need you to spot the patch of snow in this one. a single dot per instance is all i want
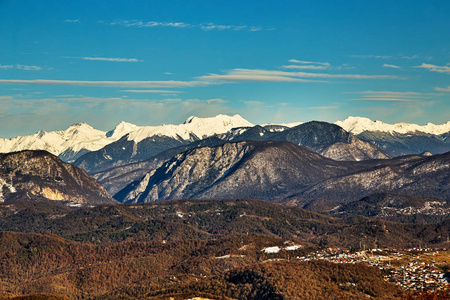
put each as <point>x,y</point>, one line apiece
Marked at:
<point>293,247</point>
<point>274,249</point>
<point>290,125</point>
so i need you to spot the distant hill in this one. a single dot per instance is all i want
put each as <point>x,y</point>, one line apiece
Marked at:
<point>209,220</point>
<point>276,170</point>
<point>398,208</point>
<point>41,175</point>
<point>262,170</point>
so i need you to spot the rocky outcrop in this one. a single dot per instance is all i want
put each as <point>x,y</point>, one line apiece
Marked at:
<point>40,175</point>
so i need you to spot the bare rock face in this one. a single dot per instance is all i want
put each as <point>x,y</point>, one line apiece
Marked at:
<point>40,175</point>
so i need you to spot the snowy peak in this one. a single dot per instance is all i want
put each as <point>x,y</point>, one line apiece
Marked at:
<point>83,130</point>
<point>357,125</point>
<point>200,127</point>
<point>190,119</point>
<point>121,129</point>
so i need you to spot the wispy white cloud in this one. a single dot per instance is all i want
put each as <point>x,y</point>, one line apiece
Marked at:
<point>114,59</point>
<point>6,67</point>
<point>216,101</point>
<point>391,66</point>
<point>410,57</point>
<point>203,26</point>
<point>324,107</point>
<point>251,77</point>
<point>390,96</point>
<point>447,89</point>
<point>20,67</point>
<point>373,56</point>
<point>434,68</point>
<point>295,61</point>
<point>138,23</point>
<point>305,67</point>
<point>236,75</point>
<point>131,84</point>
<point>6,98</point>
<point>72,21</point>
<point>153,91</point>
<point>28,68</point>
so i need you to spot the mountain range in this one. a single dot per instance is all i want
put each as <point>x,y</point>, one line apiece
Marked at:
<point>79,139</point>
<point>323,138</point>
<point>62,233</point>
<point>228,157</point>
<point>402,138</point>
<point>277,170</point>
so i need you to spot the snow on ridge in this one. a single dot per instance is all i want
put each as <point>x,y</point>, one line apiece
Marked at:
<point>122,129</point>
<point>357,125</point>
<point>201,127</point>
<point>81,136</point>
<point>289,125</point>
<point>76,137</point>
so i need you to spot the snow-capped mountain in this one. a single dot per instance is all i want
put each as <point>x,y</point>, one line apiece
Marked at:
<point>357,125</point>
<point>146,142</point>
<point>69,144</point>
<point>76,137</point>
<point>81,138</point>
<point>402,138</point>
<point>200,127</point>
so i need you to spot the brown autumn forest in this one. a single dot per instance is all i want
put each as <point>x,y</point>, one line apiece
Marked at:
<point>190,248</point>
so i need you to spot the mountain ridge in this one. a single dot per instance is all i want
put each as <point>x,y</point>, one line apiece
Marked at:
<point>38,174</point>
<point>357,125</point>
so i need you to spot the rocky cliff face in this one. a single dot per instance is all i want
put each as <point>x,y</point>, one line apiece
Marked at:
<point>41,175</point>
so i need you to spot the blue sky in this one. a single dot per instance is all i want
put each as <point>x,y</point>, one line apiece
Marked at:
<point>156,62</point>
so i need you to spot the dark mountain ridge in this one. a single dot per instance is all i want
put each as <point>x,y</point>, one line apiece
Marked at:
<point>397,144</point>
<point>327,139</point>
<point>277,170</point>
<point>262,170</point>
